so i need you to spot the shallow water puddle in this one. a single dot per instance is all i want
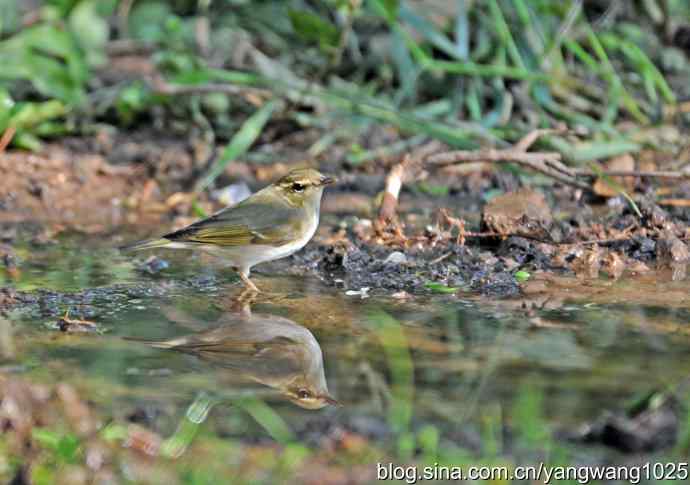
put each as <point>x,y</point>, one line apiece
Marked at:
<point>450,361</point>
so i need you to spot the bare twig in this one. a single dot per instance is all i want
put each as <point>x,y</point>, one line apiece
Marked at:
<point>668,174</point>
<point>547,163</point>
<point>202,34</point>
<point>528,140</point>
<point>394,182</point>
<point>455,222</point>
<point>675,202</point>
<point>123,47</point>
<point>7,137</point>
<point>440,258</point>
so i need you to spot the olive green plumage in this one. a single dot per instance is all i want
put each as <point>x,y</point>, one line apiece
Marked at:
<point>271,224</point>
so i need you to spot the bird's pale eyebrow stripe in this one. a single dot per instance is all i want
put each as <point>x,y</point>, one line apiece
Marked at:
<point>298,181</point>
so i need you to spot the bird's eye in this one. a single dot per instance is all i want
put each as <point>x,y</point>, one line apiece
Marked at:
<point>296,187</point>
<point>303,394</point>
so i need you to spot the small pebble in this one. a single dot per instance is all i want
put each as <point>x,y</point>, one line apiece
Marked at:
<point>396,257</point>
<point>232,194</point>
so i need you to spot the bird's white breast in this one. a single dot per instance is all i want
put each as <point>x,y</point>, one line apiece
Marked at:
<point>247,256</point>
<point>292,247</point>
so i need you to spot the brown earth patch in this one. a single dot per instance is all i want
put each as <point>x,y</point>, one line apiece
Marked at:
<point>63,188</point>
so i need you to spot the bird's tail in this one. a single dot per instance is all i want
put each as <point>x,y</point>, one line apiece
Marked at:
<point>148,244</point>
<point>158,344</point>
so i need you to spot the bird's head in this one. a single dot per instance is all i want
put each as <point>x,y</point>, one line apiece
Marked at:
<point>308,398</point>
<point>303,185</point>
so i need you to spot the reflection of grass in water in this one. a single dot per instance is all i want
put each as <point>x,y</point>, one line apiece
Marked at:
<point>531,439</point>
<point>67,267</point>
<point>399,361</point>
<point>531,436</point>
<point>271,421</point>
<point>683,447</point>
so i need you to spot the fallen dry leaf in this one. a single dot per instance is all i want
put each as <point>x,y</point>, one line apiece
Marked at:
<point>622,162</point>
<point>522,212</point>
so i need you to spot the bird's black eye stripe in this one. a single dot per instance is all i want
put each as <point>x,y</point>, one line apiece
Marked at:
<point>297,187</point>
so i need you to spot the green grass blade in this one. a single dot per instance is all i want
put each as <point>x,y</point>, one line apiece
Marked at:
<point>271,421</point>
<point>612,77</point>
<point>487,70</point>
<point>615,186</point>
<point>240,143</point>
<point>504,34</point>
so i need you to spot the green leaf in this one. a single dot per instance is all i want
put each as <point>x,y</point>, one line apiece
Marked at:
<point>68,447</point>
<point>198,210</point>
<point>271,421</point>
<point>147,21</point>
<point>48,57</point>
<point>432,189</point>
<point>91,31</point>
<point>10,17</point>
<point>27,141</point>
<point>6,108</point>
<point>522,276</point>
<point>45,437</point>
<point>587,151</point>
<point>391,8</point>
<point>114,432</point>
<point>313,28</point>
<point>429,31</point>
<point>240,143</point>
<point>132,100</point>
<point>27,115</point>
<point>440,287</point>
<point>65,446</point>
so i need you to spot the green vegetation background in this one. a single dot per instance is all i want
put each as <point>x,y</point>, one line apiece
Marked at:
<point>465,72</point>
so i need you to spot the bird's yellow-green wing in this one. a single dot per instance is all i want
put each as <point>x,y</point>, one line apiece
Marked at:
<point>249,222</point>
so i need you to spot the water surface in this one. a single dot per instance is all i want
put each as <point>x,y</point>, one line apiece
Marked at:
<point>457,363</point>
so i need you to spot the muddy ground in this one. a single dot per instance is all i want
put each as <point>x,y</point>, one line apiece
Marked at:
<point>485,232</point>
<point>492,232</point>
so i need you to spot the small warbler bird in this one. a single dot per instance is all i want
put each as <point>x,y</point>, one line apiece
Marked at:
<point>266,349</point>
<point>273,223</point>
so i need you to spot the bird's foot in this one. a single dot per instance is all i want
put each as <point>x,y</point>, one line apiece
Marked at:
<point>248,283</point>
<point>242,303</point>
<point>247,295</point>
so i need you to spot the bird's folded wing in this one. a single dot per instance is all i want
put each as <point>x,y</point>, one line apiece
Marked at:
<point>243,224</point>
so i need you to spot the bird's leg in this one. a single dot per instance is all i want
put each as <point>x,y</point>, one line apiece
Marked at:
<point>242,304</point>
<point>244,276</point>
<point>251,291</point>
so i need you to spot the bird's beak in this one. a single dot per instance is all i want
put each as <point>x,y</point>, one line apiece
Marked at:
<point>331,401</point>
<point>327,180</point>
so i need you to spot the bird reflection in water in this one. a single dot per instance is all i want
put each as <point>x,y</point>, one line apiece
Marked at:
<point>267,349</point>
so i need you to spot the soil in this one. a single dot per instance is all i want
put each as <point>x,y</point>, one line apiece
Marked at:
<point>97,184</point>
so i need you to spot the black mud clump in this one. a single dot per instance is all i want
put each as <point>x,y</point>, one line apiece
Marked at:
<point>381,268</point>
<point>525,252</point>
<point>651,425</point>
<point>93,302</point>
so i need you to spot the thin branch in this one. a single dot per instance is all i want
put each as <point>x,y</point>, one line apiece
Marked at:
<point>668,174</point>
<point>394,182</point>
<point>530,138</point>
<point>547,163</point>
<point>7,137</point>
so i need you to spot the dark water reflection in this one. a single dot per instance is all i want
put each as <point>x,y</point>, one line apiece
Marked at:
<point>445,361</point>
<point>267,349</point>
